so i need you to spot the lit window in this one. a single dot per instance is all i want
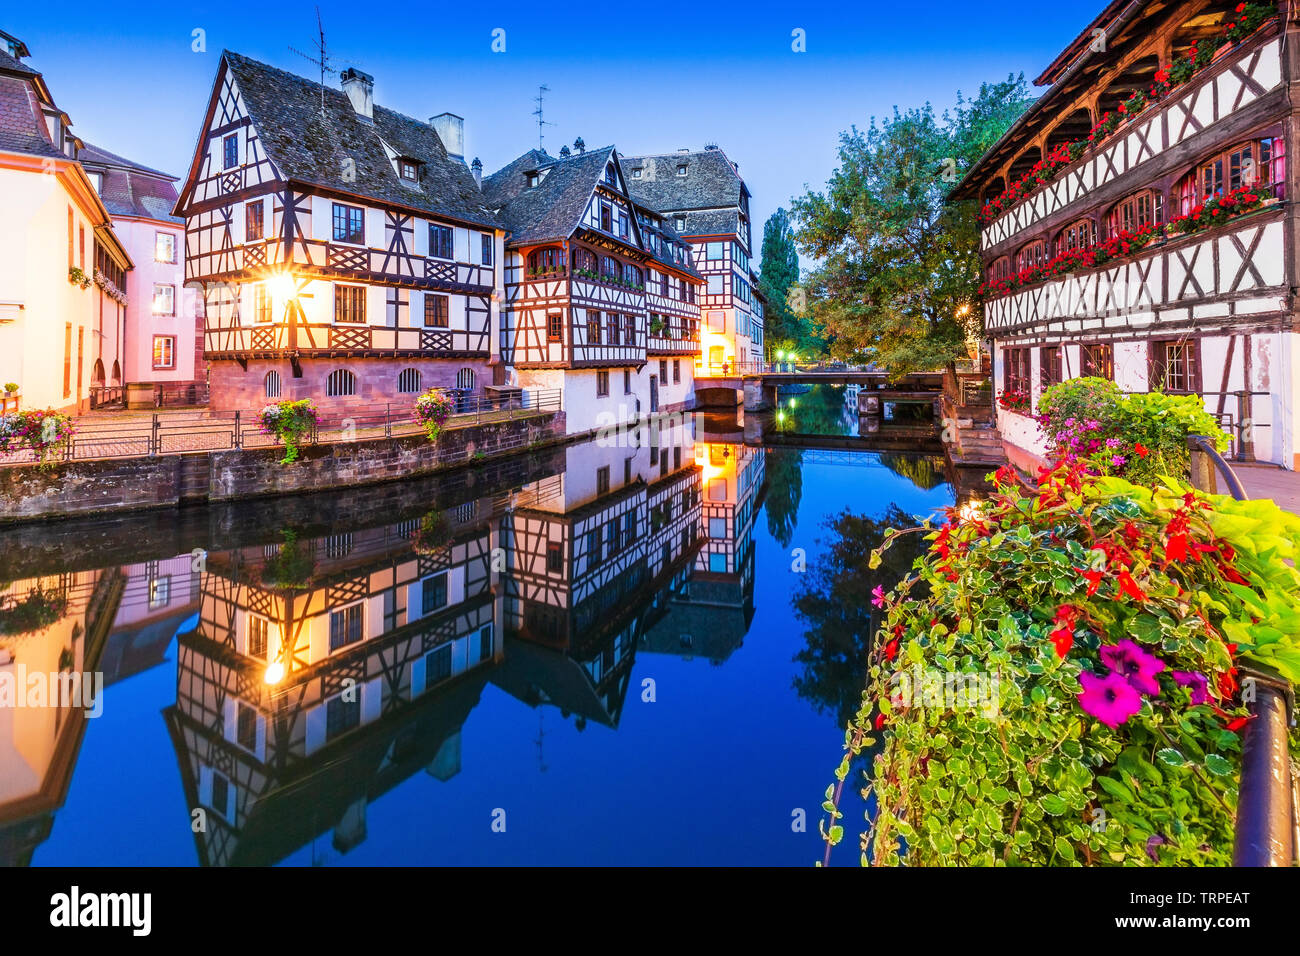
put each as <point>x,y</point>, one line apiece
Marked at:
<point>164,299</point>
<point>164,351</point>
<point>164,247</point>
<point>408,170</point>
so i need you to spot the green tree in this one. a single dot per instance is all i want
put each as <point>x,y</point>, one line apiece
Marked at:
<point>784,492</point>
<point>897,261</point>
<point>778,273</point>
<point>833,600</point>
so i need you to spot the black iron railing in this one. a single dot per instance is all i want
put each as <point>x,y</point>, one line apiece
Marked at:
<point>1267,808</point>
<point>169,434</point>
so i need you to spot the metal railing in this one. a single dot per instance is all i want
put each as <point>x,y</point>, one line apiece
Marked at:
<point>169,434</point>
<point>1268,812</point>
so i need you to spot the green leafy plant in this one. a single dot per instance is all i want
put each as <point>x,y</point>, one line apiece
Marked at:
<point>292,567</point>
<point>36,611</point>
<point>78,277</point>
<point>1141,436</point>
<point>288,421</point>
<point>11,387</point>
<point>1107,620</point>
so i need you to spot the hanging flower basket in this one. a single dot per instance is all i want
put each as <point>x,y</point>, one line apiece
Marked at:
<point>292,567</point>
<point>38,610</point>
<point>44,432</point>
<point>432,409</point>
<point>433,535</point>
<point>288,422</point>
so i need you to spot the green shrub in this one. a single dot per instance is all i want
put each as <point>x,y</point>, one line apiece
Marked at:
<point>1106,621</point>
<point>1139,437</point>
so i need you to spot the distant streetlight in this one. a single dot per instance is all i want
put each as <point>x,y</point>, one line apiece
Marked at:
<point>780,355</point>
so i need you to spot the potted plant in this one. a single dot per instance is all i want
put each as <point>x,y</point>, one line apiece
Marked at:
<point>11,389</point>
<point>42,431</point>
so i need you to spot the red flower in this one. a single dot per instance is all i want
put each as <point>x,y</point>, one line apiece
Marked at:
<point>1130,587</point>
<point>1237,723</point>
<point>881,720</point>
<point>1176,547</point>
<point>891,649</point>
<point>1094,581</point>
<point>1142,450</point>
<point>1062,639</point>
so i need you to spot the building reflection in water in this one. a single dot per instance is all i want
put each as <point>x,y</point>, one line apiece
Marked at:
<point>324,671</point>
<point>322,664</point>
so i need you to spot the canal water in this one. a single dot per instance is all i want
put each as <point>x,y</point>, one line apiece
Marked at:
<point>619,652</point>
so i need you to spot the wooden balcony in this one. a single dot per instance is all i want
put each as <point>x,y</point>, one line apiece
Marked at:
<point>315,257</point>
<point>274,340</point>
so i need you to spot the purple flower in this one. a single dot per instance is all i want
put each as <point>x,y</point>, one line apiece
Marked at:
<point>1154,841</point>
<point>878,596</point>
<point>1134,665</point>
<point>1197,682</point>
<point>1111,699</point>
<point>1113,442</point>
<point>1118,460</point>
<point>1093,425</point>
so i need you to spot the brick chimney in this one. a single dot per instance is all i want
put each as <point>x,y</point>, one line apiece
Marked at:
<point>360,88</point>
<point>451,130</point>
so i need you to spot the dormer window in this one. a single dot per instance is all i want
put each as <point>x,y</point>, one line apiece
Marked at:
<point>532,179</point>
<point>96,180</point>
<point>681,169</point>
<point>680,223</point>
<point>636,173</point>
<point>408,170</point>
<point>611,178</point>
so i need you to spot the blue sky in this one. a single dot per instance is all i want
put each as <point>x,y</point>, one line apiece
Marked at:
<point>679,76</point>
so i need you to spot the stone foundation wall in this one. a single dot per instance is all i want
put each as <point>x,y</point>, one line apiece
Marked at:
<point>235,389</point>
<point>28,493</point>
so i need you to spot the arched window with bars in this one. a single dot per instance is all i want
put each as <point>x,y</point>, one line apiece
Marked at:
<point>272,386</point>
<point>408,380</point>
<point>340,383</point>
<point>584,260</point>
<point>465,378</point>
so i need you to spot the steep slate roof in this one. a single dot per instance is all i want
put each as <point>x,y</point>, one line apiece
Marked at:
<point>710,181</point>
<point>712,222</point>
<point>22,126</point>
<point>130,189</point>
<point>308,147</point>
<point>553,208</point>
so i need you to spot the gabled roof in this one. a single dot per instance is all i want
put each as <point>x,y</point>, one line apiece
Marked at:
<point>130,189</point>
<point>553,208</point>
<point>711,181</point>
<point>310,147</point>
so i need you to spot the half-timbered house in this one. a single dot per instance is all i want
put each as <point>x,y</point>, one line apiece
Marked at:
<point>703,196</point>
<point>343,249</point>
<point>331,668</point>
<point>585,553</point>
<point>600,293</point>
<point>1160,250</point>
<point>732,477</point>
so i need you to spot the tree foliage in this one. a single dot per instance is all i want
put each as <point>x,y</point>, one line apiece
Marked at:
<point>896,260</point>
<point>786,323</point>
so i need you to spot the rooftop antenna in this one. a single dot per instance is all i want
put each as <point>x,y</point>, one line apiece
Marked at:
<point>322,58</point>
<point>541,123</point>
